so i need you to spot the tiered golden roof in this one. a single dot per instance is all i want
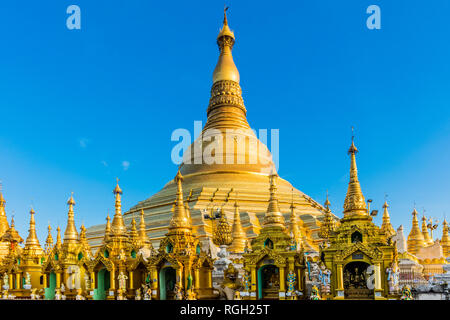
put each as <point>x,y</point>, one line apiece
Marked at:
<point>11,235</point>
<point>328,224</point>
<point>49,240</point>
<point>133,233</point>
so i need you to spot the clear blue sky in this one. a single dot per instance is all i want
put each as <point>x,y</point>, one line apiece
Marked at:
<point>76,104</point>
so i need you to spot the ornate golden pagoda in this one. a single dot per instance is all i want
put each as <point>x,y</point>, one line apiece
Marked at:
<point>445,240</point>
<point>29,262</point>
<point>354,204</point>
<point>67,262</point>
<point>356,247</point>
<point>386,227</point>
<point>415,237</point>
<point>223,233</point>
<point>274,256</point>
<point>236,169</point>
<point>181,269</point>
<point>328,224</point>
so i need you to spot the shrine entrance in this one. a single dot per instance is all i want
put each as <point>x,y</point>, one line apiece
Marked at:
<point>140,276</point>
<point>268,282</point>
<point>103,284</point>
<point>167,281</point>
<point>356,281</point>
<point>50,290</point>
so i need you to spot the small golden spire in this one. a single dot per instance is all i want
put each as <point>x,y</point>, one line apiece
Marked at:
<point>107,228</point>
<point>386,226</point>
<point>11,235</point>
<point>273,216</point>
<point>426,235</point>
<point>445,240</point>
<point>3,219</point>
<point>327,203</point>
<point>354,204</point>
<point>58,243</point>
<point>71,233</point>
<point>415,237</point>
<point>222,234</point>
<point>83,238</point>
<point>49,240</point>
<point>225,68</point>
<point>32,242</point>
<point>143,238</point>
<point>294,228</point>
<point>133,232</point>
<point>179,219</point>
<point>328,224</point>
<point>118,226</point>
<point>84,243</point>
<point>237,232</point>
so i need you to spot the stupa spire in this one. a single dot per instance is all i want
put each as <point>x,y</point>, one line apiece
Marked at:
<point>445,241</point>
<point>32,242</point>
<point>273,215</point>
<point>225,68</point>
<point>294,228</point>
<point>107,228</point>
<point>237,232</point>
<point>354,204</point>
<point>133,231</point>
<point>3,219</point>
<point>58,243</point>
<point>49,240</point>
<point>426,236</point>
<point>386,226</point>
<point>415,237</point>
<point>71,233</point>
<point>179,219</point>
<point>118,226</point>
<point>143,238</point>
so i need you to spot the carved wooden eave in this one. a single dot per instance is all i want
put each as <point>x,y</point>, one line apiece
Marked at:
<point>373,254</point>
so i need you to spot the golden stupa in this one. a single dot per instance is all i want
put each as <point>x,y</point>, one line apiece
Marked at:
<point>238,173</point>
